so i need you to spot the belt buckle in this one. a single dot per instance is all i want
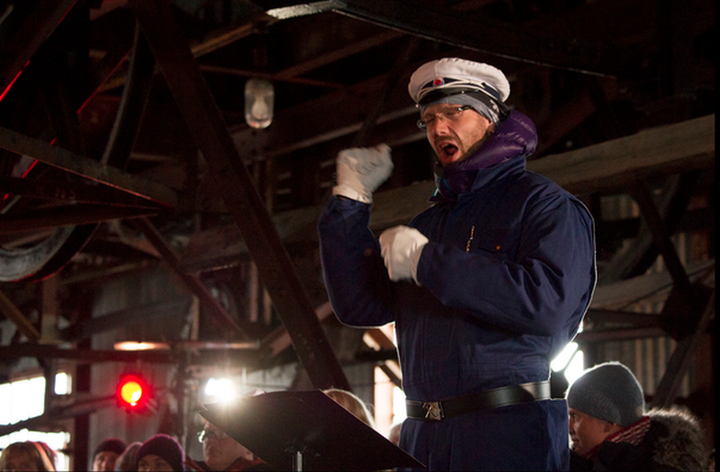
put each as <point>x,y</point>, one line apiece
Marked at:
<point>433,411</point>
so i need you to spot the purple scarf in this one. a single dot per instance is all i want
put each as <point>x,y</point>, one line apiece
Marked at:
<point>516,136</point>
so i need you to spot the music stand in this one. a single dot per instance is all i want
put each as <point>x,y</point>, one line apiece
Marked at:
<point>305,430</point>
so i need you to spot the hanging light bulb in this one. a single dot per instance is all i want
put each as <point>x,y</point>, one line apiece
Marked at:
<point>259,103</point>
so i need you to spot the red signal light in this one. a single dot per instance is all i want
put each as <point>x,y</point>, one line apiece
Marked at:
<point>133,392</point>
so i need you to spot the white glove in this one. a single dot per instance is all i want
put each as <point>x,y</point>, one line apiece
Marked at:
<point>360,171</point>
<point>401,248</point>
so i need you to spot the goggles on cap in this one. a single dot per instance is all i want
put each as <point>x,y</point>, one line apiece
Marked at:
<point>443,87</point>
<point>441,95</point>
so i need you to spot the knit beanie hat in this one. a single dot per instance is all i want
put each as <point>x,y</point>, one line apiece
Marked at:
<point>166,447</point>
<point>609,392</point>
<point>111,445</point>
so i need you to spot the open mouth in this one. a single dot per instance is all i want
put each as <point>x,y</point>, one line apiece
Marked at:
<point>448,151</point>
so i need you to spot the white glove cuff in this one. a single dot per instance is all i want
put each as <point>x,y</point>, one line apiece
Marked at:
<point>351,193</point>
<point>415,259</point>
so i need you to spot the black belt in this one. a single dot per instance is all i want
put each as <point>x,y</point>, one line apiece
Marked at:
<point>493,398</point>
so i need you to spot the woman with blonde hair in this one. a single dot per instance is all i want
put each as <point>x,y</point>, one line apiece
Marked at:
<point>351,403</point>
<point>25,455</point>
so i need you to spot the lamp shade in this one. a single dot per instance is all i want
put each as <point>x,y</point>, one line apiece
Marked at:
<point>259,103</point>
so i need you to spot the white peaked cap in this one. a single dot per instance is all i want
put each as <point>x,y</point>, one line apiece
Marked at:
<point>453,72</point>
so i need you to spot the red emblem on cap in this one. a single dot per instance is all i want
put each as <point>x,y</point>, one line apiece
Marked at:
<point>438,82</point>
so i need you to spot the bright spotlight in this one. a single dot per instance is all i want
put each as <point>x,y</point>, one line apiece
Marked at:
<point>576,367</point>
<point>220,389</point>
<point>564,357</point>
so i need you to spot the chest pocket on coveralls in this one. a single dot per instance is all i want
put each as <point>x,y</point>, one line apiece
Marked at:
<point>498,241</point>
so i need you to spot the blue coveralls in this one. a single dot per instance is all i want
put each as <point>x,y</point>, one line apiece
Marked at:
<point>505,280</point>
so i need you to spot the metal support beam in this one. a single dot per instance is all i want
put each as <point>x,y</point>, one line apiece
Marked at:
<point>88,168</point>
<point>85,329</point>
<point>279,339</point>
<point>392,80</point>
<point>492,38</point>
<point>191,281</point>
<point>11,312</point>
<point>204,119</point>
<point>244,353</point>
<point>62,413</point>
<point>69,215</point>
<point>72,192</point>
<point>50,315</point>
<point>35,30</point>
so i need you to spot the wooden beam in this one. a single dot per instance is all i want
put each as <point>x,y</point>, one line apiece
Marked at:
<point>626,292</point>
<point>642,195</point>
<point>583,171</point>
<point>618,334</point>
<point>680,360</point>
<point>378,340</point>
<point>671,149</point>
<point>595,316</point>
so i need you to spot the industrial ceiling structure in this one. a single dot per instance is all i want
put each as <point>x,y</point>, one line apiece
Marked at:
<point>124,148</point>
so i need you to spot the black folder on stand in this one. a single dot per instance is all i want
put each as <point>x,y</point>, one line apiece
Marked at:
<point>305,430</point>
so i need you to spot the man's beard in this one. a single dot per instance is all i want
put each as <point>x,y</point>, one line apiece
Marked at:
<point>472,149</point>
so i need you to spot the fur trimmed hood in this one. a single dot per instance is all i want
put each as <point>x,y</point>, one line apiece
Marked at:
<point>684,445</point>
<point>674,442</point>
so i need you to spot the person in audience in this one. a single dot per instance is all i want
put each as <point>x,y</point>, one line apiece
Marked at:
<point>160,452</point>
<point>610,429</point>
<point>106,453</point>
<point>351,403</point>
<point>26,455</point>
<point>221,452</point>
<point>49,453</point>
<point>394,434</point>
<point>127,461</point>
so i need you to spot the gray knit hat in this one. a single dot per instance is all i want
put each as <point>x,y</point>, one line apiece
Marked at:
<point>608,392</point>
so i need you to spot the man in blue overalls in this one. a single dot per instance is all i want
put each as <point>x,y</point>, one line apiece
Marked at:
<point>485,287</point>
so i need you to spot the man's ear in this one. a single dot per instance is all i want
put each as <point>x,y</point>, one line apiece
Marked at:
<point>607,427</point>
